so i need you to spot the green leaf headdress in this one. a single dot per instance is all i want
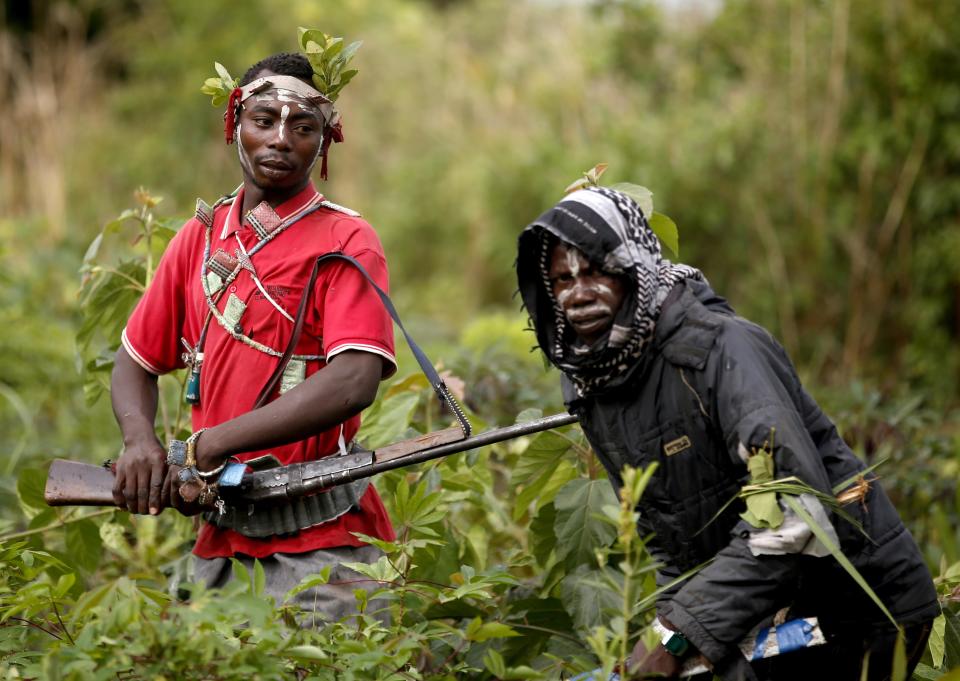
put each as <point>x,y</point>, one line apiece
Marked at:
<point>328,58</point>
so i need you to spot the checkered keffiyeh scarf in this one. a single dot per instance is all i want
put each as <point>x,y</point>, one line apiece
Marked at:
<point>611,230</point>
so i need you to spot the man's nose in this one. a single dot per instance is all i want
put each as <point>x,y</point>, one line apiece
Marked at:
<point>280,139</point>
<point>582,293</point>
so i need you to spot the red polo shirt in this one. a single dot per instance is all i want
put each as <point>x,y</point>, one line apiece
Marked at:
<point>345,314</point>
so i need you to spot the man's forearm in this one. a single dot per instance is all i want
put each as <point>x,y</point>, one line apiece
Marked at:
<point>340,390</point>
<point>134,396</point>
<point>141,469</point>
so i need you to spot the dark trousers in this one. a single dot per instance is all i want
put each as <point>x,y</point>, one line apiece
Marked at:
<point>842,657</point>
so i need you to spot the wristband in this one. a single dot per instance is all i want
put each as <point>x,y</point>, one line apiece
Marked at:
<point>674,642</point>
<point>184,452</point>
<point>191,444</point>
<point>206,475</point>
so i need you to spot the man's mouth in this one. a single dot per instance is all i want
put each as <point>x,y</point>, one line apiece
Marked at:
<point>588,316</point>
<point>275,164</point>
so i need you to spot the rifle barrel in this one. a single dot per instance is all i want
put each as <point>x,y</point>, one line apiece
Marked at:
<point>488,437</point>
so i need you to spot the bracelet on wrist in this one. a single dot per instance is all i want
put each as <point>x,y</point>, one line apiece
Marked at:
<point>191,460</point>
<point>184,452</point>
<point>674,642</point>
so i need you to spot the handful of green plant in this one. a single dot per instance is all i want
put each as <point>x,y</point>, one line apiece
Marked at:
<point>764,493</point>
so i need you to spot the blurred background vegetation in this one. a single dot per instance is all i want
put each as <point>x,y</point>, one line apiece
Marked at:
<point>809,152</point>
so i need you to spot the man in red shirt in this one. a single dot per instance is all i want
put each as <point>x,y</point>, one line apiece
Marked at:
<point>228,290</point>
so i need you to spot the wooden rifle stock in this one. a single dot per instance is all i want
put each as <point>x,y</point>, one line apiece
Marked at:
<point>70,483</point>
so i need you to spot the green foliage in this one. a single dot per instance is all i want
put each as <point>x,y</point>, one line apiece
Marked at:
<point>328,57</point>
<point>798,163</point>
<point>114,276</point>
<point>219,88</point>
<point>665,228</point>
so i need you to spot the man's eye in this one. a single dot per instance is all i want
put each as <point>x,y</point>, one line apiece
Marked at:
<point>262,122</point>
<point>304,129</point>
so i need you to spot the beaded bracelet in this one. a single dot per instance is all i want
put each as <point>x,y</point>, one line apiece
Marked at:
<point>191,458</point>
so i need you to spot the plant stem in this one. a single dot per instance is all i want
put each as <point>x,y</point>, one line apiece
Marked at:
<point>56,611</point>
<point>28,623</point>
<point>52,526</point>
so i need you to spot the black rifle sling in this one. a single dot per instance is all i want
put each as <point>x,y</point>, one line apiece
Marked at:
<point>443,393</point>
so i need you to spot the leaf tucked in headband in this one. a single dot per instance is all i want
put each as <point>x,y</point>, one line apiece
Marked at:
<point>665,228</point>
<point>329,59</point>
<point>219,88</point>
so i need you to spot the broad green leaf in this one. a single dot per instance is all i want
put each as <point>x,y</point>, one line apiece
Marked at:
<point>578,525</point>
<point>543,539</point>
<point>332,48</point>
<point>642,195</point>
<point>527,415</point>
<point>91,600</point>
<point>309,582</point>
<point>387,547</point>
<point>225,78</point>
<point>936,642</point>
<point>241,574</point>
<point>381,571</point>
<point>587,604</point>
<point>350,50</point>
<point>522,673</point>
<point>84,545</point>
<point>763,510</point>
<point>30,485</point>
<point>390,421</point>
<point>112,535</point>
<point>306,652</point>
<point>899,667</point>
<point>490,630</point>
<point>493,661</point>
<point>415,382</point>
<point>63,584</point>
<point>93,248</point>
<point>666,230</point>
<point>951,639</point>
<point>536,465</point>
<point>259,578</point>
<point>925,672</point>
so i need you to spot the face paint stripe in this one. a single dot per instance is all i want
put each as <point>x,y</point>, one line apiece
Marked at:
<point>284,112</point>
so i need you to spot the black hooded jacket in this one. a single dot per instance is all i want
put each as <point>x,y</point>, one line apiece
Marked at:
<point>709,381</point>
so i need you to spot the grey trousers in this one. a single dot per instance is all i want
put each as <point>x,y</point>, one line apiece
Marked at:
<point>325,603</point>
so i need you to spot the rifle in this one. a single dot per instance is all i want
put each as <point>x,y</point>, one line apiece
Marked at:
<point>70,483</point>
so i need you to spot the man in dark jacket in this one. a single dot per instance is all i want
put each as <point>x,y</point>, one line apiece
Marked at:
<point>658,368</point>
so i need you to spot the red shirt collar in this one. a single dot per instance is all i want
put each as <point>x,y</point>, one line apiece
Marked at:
<point>284,210</point>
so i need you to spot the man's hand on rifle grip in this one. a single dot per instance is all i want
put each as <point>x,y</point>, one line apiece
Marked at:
<point>141,471</point>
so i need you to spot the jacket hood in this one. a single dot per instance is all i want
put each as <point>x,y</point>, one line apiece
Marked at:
<point>609,228</point>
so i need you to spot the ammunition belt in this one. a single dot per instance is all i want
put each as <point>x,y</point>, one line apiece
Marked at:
<point>258,521</point>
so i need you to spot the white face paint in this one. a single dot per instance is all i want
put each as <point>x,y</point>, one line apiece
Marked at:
<point>290,98</point>
<point>284,112</point>
<point>245,162</point>
<point>573,261</point>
